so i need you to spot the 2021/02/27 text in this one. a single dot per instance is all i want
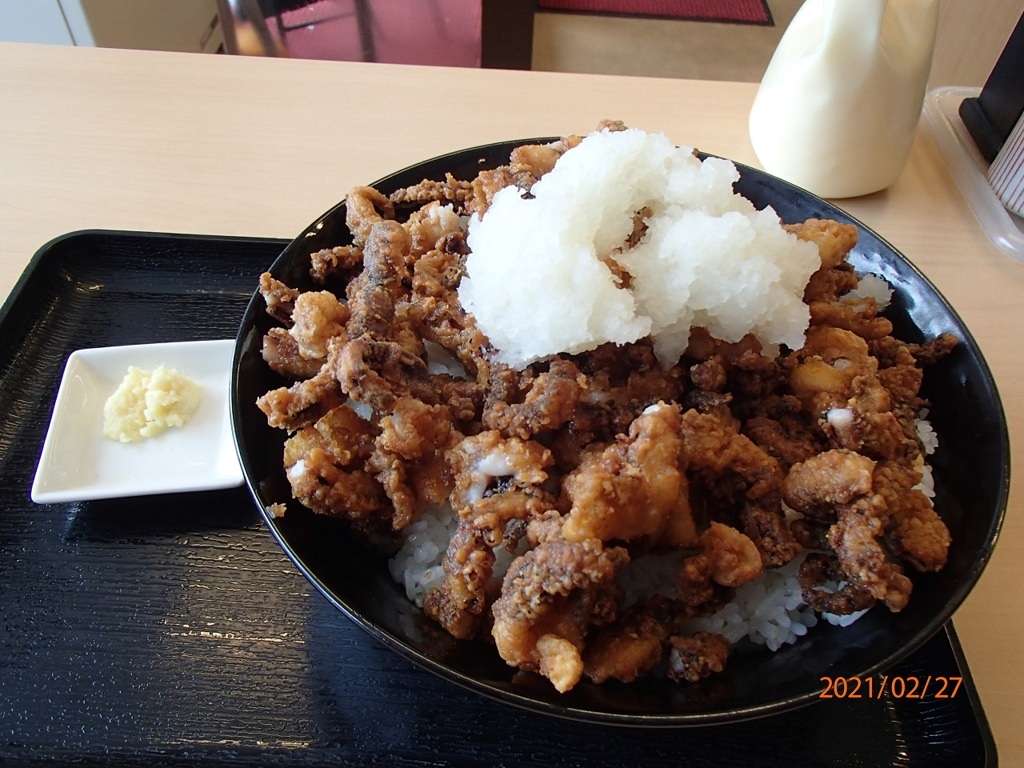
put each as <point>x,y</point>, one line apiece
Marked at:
<point>897,687</point>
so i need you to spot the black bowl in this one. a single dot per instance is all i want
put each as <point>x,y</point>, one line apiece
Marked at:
<point>971,470</point>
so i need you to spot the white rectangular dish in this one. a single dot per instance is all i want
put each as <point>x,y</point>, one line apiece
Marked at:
<point>78,464</point>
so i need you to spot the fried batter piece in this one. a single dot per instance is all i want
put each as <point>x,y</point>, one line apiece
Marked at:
<point>386,266</point>
<point>341,260</point>
<point>834,374</point>
<point>732,557</point>
<point>620,382</point>
<point>385,357</point>
<point>370,371</point>
<point>409,457</point>
<point>527,165</point>
<point>824,587</point>
<point>434,310</point>
<point>634,488</point>
<point>786,438</point>
<point>304,402</point>
<point>459,603</point>
<point>862,499</point>
<point>496,482</point>
<point>365,207</point>
<point>549,402</point>
<point>429,224</point>
<point>834,240</point>
<point>823,370</point>
<point>695,657</point>
<point>919,535</point>
<point>483,458</point>
<point>632,645</point>
<point>891,351</point>
<point>916,532</point>
<point>829,285</point>
<point>280,299</point>
<point>726,459</point>
<point>855,540</point>
<point>829,479</point>
<point>857,315</point>
<point>317,318</point>
<point>534,160</point>
<point>636,643</point>
<point>764,522</point>
<point>550,598</point>
<point>450,190</point>
<point>324,464</point>
<point>280,351</point>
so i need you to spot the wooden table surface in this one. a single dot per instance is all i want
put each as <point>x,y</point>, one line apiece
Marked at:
<point>185,143</point>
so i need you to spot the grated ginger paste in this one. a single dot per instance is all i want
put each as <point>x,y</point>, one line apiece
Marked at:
<point>147,403</point>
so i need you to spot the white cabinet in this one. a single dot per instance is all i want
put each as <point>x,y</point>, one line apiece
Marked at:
<point>167,25</point>
<point>35,21</point>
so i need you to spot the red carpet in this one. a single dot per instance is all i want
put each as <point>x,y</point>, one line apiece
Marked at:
<point>732,11</point>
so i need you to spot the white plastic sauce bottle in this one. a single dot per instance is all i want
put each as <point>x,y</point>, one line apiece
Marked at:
<point>839,104</point>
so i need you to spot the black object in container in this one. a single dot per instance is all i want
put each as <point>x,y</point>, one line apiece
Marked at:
<point>990,116</point>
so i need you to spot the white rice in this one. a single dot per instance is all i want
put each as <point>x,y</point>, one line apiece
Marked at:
<point>417,564</point>
<point>875,287</point>
<point>843,620</point>
<point>926,433</point>
<point>768,611</point>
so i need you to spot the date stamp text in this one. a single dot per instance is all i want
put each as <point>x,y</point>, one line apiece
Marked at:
<point>896,687</point>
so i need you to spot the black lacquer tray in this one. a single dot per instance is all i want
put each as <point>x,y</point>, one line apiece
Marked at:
<point>172,630</point>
